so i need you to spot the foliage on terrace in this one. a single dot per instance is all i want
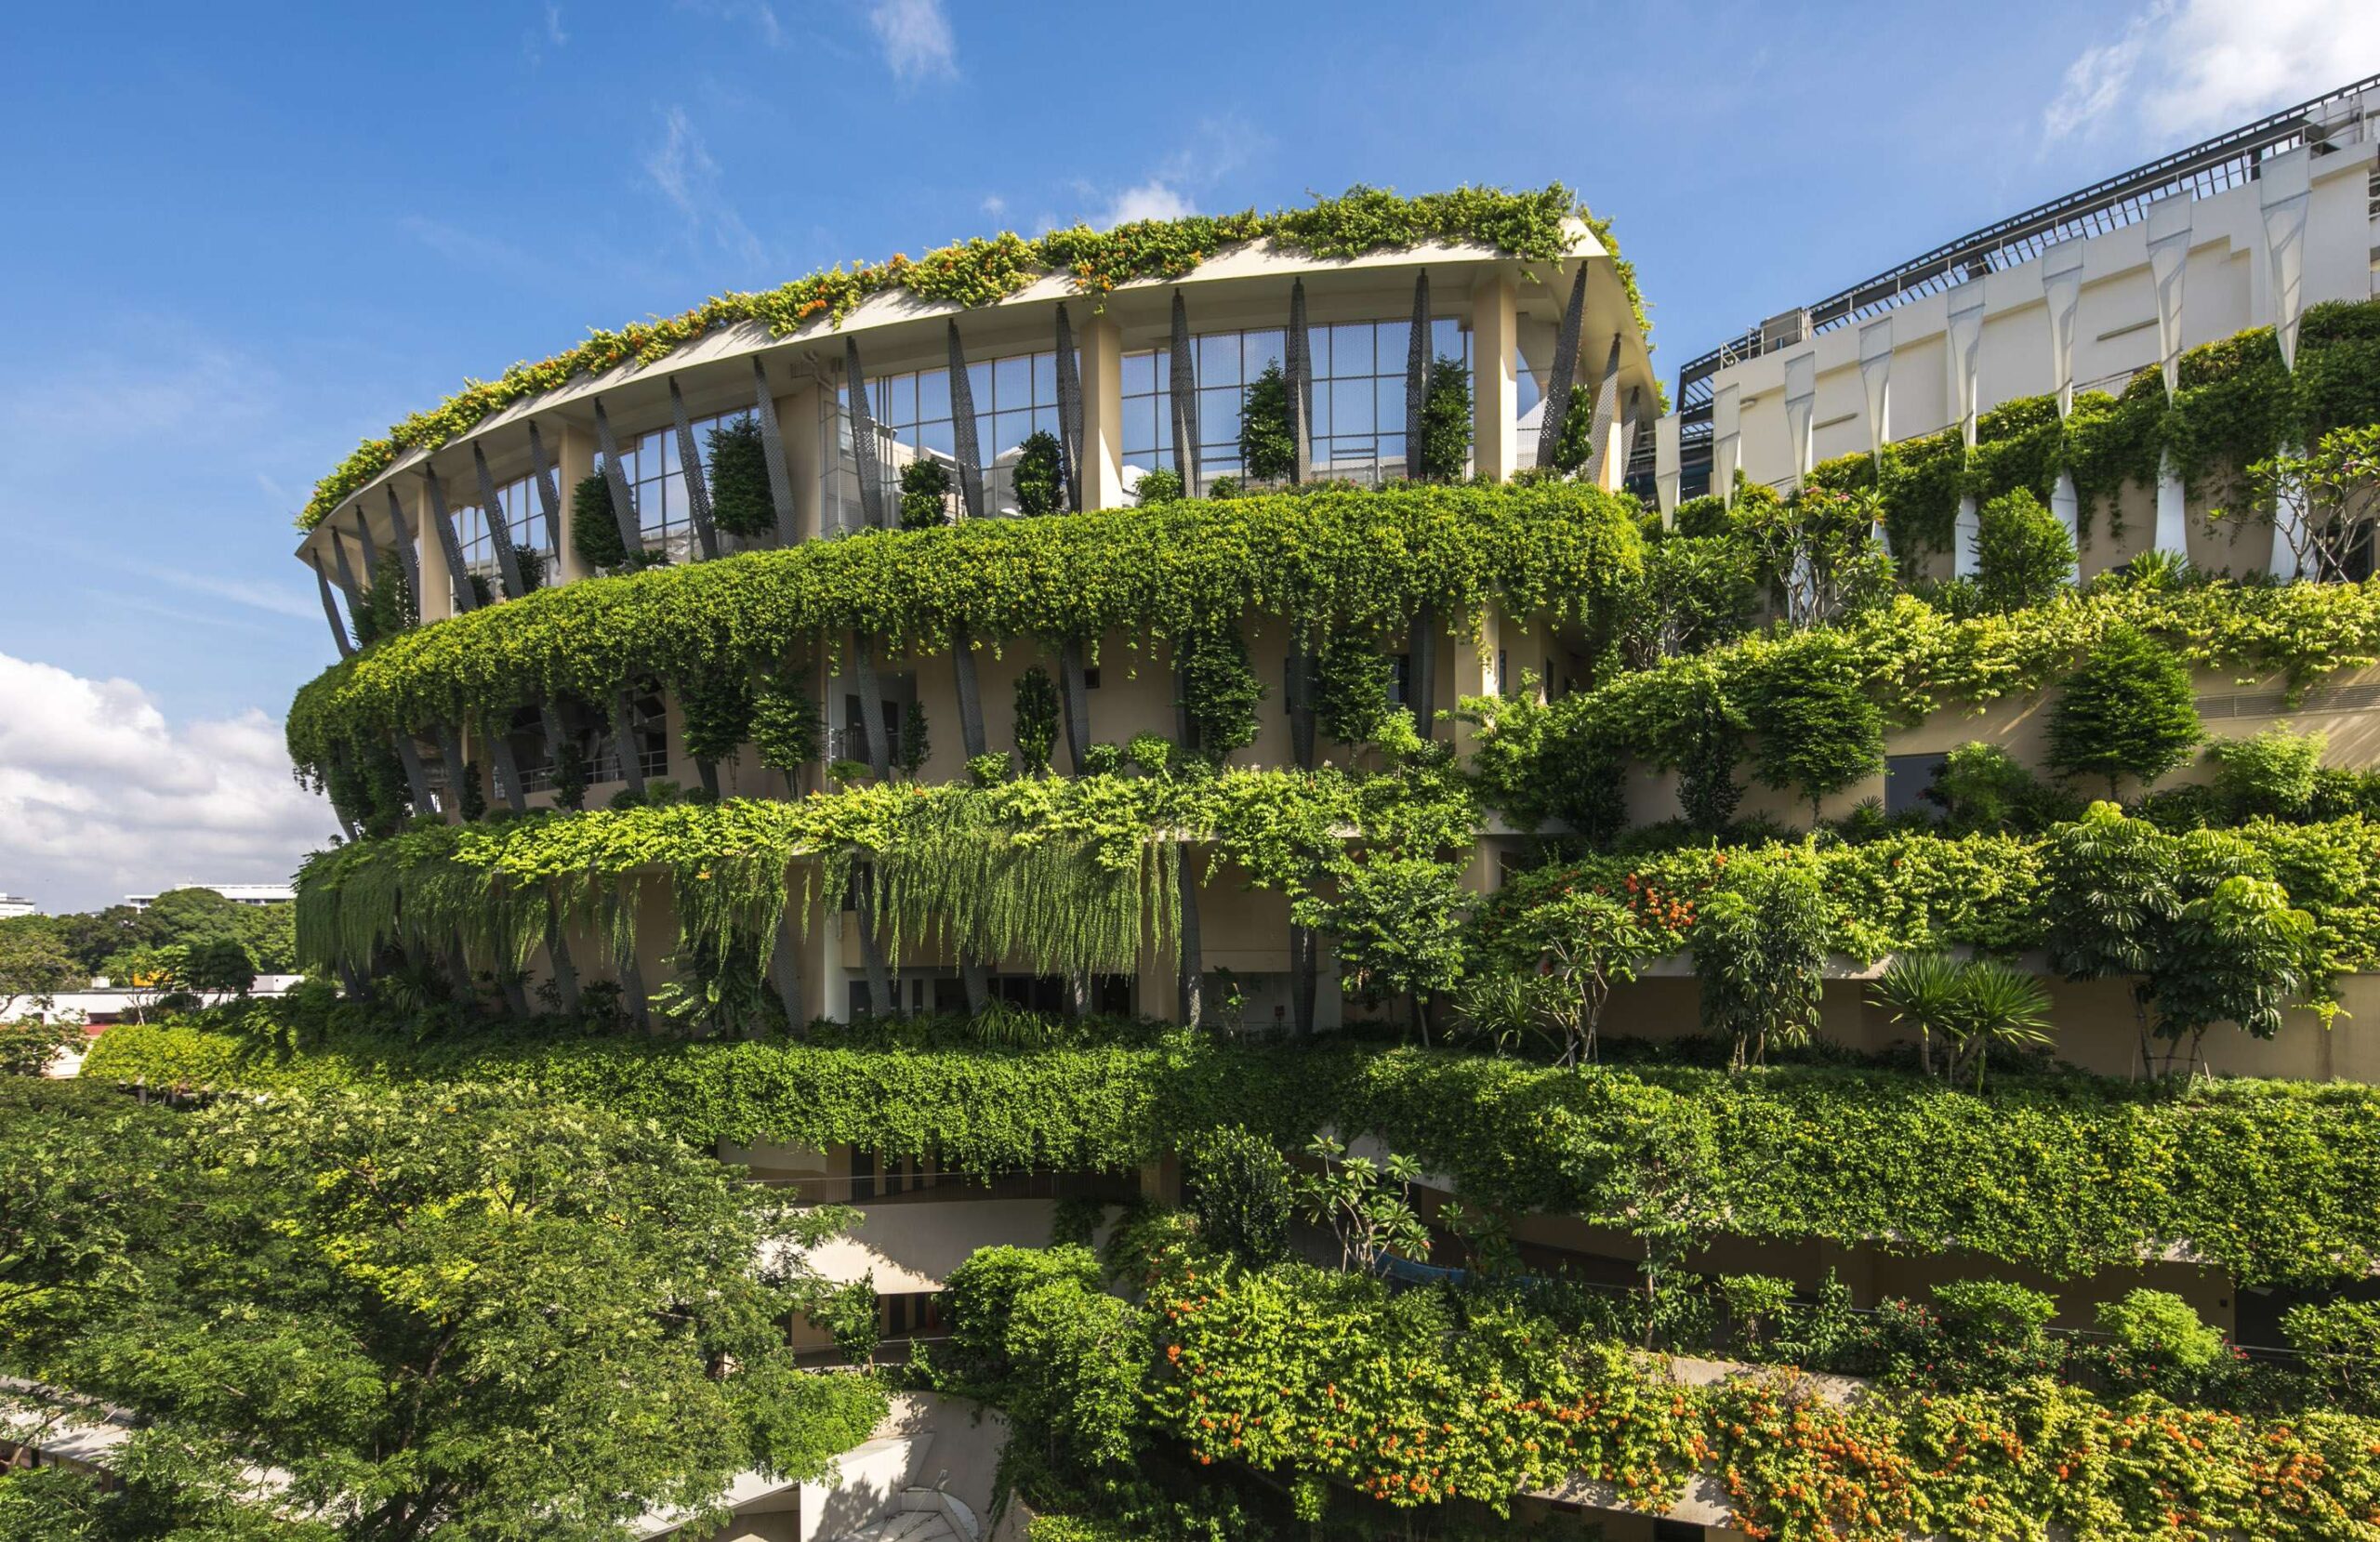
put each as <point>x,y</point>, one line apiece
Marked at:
<point>1359,562</point>
<point>2236,405</point>
<point>2067,1174</point>
<point>1348,1393</point>
<point>1913,891</point>
<point>983,270</point>
<point>1074,874</point>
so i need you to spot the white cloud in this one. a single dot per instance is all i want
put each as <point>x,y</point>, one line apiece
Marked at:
<point>1150,200</point>
<point>759,13</point>
<point>681,170</point>
<point>916,37</point>
<point>2184,68</point>
<point>995,205</point>
<point>101,796</point>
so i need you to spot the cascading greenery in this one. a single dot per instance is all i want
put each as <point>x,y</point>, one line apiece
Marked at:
<point>1075,874</point>
<point>1527,224</point>
<point>1338,557</point>
<point>2067,1174</point>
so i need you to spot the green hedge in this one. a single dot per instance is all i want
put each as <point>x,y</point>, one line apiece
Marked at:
<point>985,270</point>
<point>1363,562</point>
<point>2269,1181</point>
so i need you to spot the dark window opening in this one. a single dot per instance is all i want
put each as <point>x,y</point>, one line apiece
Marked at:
<point>1907,778</point>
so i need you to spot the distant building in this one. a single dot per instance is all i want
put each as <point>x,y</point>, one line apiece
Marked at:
<point>14,905</point>
<point>238,893</point>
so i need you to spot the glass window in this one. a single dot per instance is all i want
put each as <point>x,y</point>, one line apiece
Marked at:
<point>519,513</point>
<point>1359,428</point>
<point>649,463</point>
<point>1015,398</point>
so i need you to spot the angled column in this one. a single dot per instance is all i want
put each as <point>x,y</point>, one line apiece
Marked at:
<point>1564,376</point>
<point>2284,193</point>
<point>1801,412</point>
<point>1876,382</point>
<point>1606,461</point>
<point>433,593</point>
<point>1495,388</point>
<point>1668,465</point>
<point>1963,353</point>
<point>1726,439</point>
<point>2062,287</point>
<point>2169,252</point>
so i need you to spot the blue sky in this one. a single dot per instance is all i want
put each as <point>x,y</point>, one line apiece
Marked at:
<point>243,237</point>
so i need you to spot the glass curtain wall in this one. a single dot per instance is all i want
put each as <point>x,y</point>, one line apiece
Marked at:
<point>519,514</point>
<point>649,463</point>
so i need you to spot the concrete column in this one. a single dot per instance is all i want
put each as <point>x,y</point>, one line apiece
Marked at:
<point>573,449</point>
<point>798,423</point>
<point>1494,388</point>
<point>2172,515</point>
<point>1726,439</point>
<point>1475,675</point>
<point>1102,342</point>
<point>436,600</point>
<point>1667,470</point>
<point>1801,412</point>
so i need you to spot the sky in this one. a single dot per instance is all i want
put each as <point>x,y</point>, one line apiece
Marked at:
<point>243,237</point>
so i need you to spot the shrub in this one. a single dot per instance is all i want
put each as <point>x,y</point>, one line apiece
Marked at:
<point>1154,754</point>
<point>1760,956</point>
<point>2127,711</point>
<point>786,729</point>
<point>2158,1328</point>
<point>2340,1341</point>
<point>1039,476</point>
<point>741,501</point>
<point>2023,554</point>
<point>1239,1192</point>
<point>594,528</point>
<point>1350,688</point>
<point>2271,774</point>
<point>1446,423</point>
<point>1982,786</point>
<point>925,493</point>
<point>1157,485</point>
<point>1219,690</point>
<point>1102,760</point>
<point>1035,720</point>
<point>1268,446</point>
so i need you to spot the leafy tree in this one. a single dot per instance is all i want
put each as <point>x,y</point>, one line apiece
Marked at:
<point>219,965</point>
<point>2109,901</point>
<point>1575,445</point>
<point>741,502</point>
<point>2340,1341</point>
<point>1354,1198</point>
<point>1704,746</point>
<point>1534,763</point>
<point>2126,711</point>
<point>594,528</point>
<point>1039,476</point>
<point>1815,550</point>
<point>1220,693</point>
<point>2325,502</point>
<point>717,704</point>
<point>1759,951</point>
<point>571,774</point>
<point>2023,555</point>
<point>388,606</point>
<point>1587,943</point>
<point>471,1311</point>
<point>2271,775</point>
<point>1268,444</point>
<point>1444,449</point>
<point>925,493</point>
<point>915,747</point>
<point>1815,727</point>
<point>28,1045</point>
<point>1694,594</point>
<point>1350,689</point>
<point>1035,720</point>
<point>2239,955</point>
<point>1397,923</point>
<point>1239,1191</point>
<point>1983,787</point>
<point>788,732</point>
<point>34,965</point>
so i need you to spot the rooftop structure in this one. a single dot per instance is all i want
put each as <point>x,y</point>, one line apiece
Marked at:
<point>14,905</point>
<point>238,893</point>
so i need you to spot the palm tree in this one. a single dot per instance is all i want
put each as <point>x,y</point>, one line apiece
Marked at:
<point>1996,1004</point>
<point>1921,990</point>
